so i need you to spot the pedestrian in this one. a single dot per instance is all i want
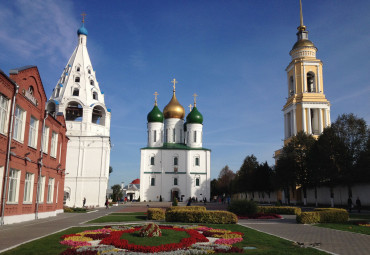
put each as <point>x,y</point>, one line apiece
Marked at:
<point>349,203</point>
<point>84,202</point>
<point>358,204</point>
<point>189,202</point>
<point>228,200</point>
<point>106,203</point>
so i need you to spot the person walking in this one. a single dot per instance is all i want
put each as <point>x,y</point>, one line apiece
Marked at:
<point>106,203</point>
<point>349,203</point>
<point>358,204</point>
<point>84,202</point>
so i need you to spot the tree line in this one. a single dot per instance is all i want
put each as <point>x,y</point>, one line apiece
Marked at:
<point>339,156</point>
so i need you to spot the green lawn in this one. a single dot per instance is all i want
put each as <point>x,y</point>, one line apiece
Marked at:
<point>119,218</point>
<point>265,244</point>
<point>359,216</point>
<point>168,236</point>
<point>348,226</point>
<point>130,213</point>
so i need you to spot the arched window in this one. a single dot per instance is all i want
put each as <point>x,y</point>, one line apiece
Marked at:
<point>77,79</point>
<point>175,181</point>
<point>175,161</point>
<point>76,92</point>
<point>197,181</point>
<point>311,82</point>
<point>77,68</point>
<point>152,181</point>
<point>89,71</point>
<point>155,136</point>
<point>152,161</point>
<point>74,111</point>
<point>98,115</point>
<point>92,82</point>
<point>57,91</point>
<point>195,136</point>
<point>95,96</point>
<point>291,86</point>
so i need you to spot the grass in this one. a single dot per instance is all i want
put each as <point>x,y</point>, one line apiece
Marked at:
<point>348,226</point>
<point>119,218</point>
<point>168,236</point>
<point>131,213</point>
<point>265,244</point>
<point>359,216</point>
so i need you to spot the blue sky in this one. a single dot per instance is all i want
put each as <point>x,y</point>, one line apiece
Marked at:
<point>233,54</point>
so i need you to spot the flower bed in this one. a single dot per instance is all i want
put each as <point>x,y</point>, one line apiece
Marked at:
<point>362,223</point>
<point>262,216</point>
<point>108,240</point>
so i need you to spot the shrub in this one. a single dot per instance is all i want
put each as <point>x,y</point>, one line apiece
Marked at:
<point>243,207</point>
<point>186,208</point>
<point>289,210</point>
<point>323,215</point>
<point>156,214</point>
<point>215,217</point>
<point>150,230</point>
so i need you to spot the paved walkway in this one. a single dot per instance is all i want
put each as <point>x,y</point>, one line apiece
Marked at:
<point>332,241</point>
<point>329,240</point>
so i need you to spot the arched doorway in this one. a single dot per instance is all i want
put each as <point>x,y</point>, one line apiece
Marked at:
<point>175,193</point>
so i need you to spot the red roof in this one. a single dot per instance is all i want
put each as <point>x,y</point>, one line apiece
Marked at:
<point>136,181</point>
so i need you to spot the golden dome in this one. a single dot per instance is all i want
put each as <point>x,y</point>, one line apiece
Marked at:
<point>174,109</point>
<point>303,43</point>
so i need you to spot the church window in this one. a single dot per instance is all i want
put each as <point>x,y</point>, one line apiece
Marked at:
<point>174,135</point>
<point>77,79</point>
<point>291,86</point>
<point>76,92</point>
<point>74,111</point>
<point>152,181</point>
<point>98,115</point>
<point>92,82</point>
<point>155,136</point>
<point>152,161</point>
<point>89,71</point>
<point>166,131</point>
<point>197,161</point>
<point>175,181</point>
<point>176,161</point>
<point>195,136</point>
<point>311,82</point>
<point>197,181</point>
<point>78,69</point>
<point>95,96</point>
<point>57,92</point>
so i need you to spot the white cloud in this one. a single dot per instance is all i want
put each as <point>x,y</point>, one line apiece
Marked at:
<point>38,28</point>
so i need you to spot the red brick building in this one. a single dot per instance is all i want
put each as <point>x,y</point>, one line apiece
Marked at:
<point>33,146</point>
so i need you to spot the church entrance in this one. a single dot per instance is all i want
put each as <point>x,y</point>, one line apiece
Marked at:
<point>175,194</point>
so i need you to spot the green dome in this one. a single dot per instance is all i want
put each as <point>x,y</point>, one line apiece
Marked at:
<point>194,117</point>
<point>155,115</point>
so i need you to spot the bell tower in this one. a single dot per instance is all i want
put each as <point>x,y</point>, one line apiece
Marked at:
<point>306,108</point>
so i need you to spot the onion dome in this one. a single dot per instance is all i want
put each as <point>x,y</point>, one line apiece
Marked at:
<point>174,109</point>
<point>155,115</point>
<point>303,43</point>
<point>194,117</point>
<point>82,30</point>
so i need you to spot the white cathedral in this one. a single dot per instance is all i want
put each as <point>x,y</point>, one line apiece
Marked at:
<point>78,96</point>
<point>174,164</point>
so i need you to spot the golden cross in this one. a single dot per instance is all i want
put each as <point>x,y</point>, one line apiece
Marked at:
<point>155,95</point>
<point>83,17</point>
<point>190,106</point>
<point>174,84</point>
<point>195,100</point>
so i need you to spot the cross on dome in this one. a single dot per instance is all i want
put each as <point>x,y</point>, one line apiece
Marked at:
<point>195,100</point>
<point>155,97</point>
<point>83,17</point>
<point>174,84</point>
<point>190,107</point>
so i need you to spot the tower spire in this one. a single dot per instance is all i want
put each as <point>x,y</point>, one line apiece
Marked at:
<point>174,85</point>
<point>155,98</point>
<point>301,26</point>
<point>195,100</point>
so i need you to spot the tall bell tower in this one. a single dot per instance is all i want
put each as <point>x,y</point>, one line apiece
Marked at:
<point>306,108</point>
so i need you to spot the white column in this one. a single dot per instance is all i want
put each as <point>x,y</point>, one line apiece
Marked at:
<point>303,119</point>
<point>304,80</point>
<point>285,127</point>
<point>320,121</point>
<point>294,122</point>
<point>318,79</point>
<point>329,120</point>
<point>309,129</point>
<point>326,117</point>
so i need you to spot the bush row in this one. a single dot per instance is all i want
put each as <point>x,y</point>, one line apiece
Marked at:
<point>323,215</point>
<point>289,210</point>
<point>156,214</point>
<point>186,208</point>
<point>188,216</point>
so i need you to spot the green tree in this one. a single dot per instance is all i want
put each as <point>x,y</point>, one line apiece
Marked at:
<point>117,192</point>
<point>244,180</point>
<point>224,180</point>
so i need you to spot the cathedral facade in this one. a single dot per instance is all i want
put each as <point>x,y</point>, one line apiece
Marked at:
<point>78,96</point>
<point>174,164</point>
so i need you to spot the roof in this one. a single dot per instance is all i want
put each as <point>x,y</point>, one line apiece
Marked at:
<point>19,69</point>
<point>136,181</point>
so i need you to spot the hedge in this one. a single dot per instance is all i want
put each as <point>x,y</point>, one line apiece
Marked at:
<point>186,208</point>
<point>289,210</point>
<point>243,207</point>
<point>323,215</point>
<point>214,217</point>
<point>156,214</point>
